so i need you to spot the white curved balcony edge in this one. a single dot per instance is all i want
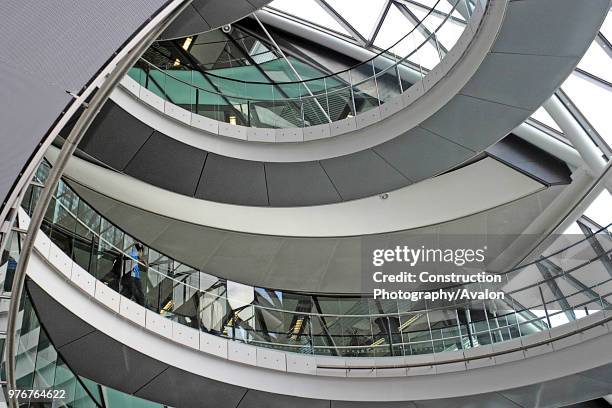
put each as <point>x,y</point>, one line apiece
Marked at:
<point>296,374</point>
<point>346,136</point>
<point>466,191</point>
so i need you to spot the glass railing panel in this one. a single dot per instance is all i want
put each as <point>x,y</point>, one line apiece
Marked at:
<point>44,370</point>
<point>8,261</point>
<point>346,326</point>
<point>387,78</point>
<point>272,95</point>
<point>137,74</point>
<point>82,251</point>
<point>178,89</point>
<point>214,311</point>
<point>40,368</point>
<point>155,81</point>
<point>27,347</point>
<point>107,263</point>
<point>365,95</point>
<point>185,295</point>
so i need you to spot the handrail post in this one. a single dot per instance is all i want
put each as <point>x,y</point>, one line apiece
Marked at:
<point>544,306</point>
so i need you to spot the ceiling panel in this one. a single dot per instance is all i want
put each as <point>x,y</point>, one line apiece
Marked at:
<point>233,181</point>
<point>168,163</point>
<point>303,183</point>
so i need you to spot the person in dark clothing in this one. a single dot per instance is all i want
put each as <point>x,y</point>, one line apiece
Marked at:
<point>132,282</point>
<point>116,273</point>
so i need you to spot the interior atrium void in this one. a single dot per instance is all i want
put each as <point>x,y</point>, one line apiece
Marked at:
<point>315,203</point>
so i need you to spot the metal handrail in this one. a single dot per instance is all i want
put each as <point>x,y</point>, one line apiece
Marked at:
<point>369,347</point>
<point>377,74</point>
<point>332,315</point>
<point>382,53</point>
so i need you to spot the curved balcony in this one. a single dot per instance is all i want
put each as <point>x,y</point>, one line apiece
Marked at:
<point>309,98</point>
<point>560,288</point>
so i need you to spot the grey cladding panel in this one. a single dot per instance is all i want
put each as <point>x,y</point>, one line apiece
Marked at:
<point>490,400</point>
<point>238,253</point>
<point>178,388</point>
<point>503,78</point>
<point>233,181</point>
<point>260,399</point>
<point>558,393</point>
<point>312,255</point>
<point>362,174</point>
<point>188,22</point>
<point>24,119</point>
<point>419,153</point>
<point>67,42</point>
<point>302,183</point>
<point>204,15</point>
<point>110,362</point>
<point>474,123</point>
<point>115,136</point>
<point>45,50</point>
<point>219,12</point>
<point>528,28</point>
<point>168,163</point>
<point>372,404</point>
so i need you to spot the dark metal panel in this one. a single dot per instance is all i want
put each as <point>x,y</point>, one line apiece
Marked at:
<point>188,22</point>
<point>419,153</point>
<point>109,362</point>
<point>559,392</point>
<point>205,15</point>
<point>219,12</point>
<point>115,136</point>
<point>362,174</point>
<point>70,329</point>
<point>260,399</point>
<point>93,355</point>
<point>179,388</point>
<point>481,400</point>
<point>298,184</point>
<point>370,404</point>
<point>531,160</point>
<point>233,181</point>
<point>168,163</point>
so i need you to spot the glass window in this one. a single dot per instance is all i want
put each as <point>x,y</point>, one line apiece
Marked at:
<point>543,117</point>
<point>593,100</point>
<point>600,210</point>
<point>597,62</point>
<point>310,11</point>
<point>362,18</point>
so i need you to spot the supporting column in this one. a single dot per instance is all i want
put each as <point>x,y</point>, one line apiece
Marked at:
<point>591,154</point>
<point>549,144</point>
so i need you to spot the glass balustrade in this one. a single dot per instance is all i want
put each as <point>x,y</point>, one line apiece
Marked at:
<point>41,368</point>
<point>308,99</point>
<point>569,283</point>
